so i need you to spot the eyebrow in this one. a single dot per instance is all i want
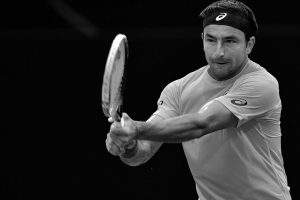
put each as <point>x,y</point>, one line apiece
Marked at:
<point>230,37</point>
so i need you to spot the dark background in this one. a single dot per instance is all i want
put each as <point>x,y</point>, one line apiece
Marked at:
<point>50,51</point>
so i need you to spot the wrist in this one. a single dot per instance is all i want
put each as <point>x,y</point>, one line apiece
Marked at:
<point>141,128</point>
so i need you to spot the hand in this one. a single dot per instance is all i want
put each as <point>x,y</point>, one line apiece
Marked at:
<point>114,145</point>
<point>126,131</point>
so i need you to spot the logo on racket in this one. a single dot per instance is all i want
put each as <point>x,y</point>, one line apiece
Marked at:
<point>221,16</point>
<point>239,102</point>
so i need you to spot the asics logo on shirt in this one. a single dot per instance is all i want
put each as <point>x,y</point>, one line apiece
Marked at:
<point>221,16</point>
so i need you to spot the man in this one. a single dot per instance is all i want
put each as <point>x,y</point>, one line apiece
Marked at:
<point>225,114</point>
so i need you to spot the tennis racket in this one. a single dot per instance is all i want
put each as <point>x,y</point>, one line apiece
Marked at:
<point>114,78</point>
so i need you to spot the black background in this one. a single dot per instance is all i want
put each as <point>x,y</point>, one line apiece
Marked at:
<point>50,51</point>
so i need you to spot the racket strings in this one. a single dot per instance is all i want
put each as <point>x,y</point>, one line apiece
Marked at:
<point>117,82</point>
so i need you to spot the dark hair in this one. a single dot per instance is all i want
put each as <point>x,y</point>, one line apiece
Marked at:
<point>236,7</point>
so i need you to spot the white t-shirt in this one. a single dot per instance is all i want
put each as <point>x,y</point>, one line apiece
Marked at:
<point>244,162</point>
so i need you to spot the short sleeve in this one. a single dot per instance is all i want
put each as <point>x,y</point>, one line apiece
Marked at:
<point>252,97</point>
<point>168,102</point>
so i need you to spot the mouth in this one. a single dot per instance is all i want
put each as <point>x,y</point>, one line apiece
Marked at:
<point>221,63</point>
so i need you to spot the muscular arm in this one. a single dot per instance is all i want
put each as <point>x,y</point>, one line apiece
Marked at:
<point>145,148</point>
<point>215,116</point>
<point>212,117</point>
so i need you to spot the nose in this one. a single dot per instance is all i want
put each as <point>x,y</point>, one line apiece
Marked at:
<point>219,51</point>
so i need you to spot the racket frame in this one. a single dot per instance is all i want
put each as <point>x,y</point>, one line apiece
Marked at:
<point>113,107</point>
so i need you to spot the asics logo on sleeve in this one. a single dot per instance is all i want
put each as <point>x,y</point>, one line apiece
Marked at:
<point>239,102</point>
<point>221,16</point>
<point>160,102</point>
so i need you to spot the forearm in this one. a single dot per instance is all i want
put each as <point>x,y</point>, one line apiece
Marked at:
<point>175,130</point>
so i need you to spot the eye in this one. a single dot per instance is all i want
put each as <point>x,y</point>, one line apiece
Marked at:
<point>230,41</point>
<point>209,40</point>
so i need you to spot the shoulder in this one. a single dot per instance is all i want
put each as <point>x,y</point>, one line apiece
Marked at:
<point>259,87</point>
<point>257,77</point>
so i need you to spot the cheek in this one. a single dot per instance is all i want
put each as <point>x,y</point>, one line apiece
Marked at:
<point>207,56</point>
<point>207,50</point>
<point>204,48</point>
<point>237,54</point>
<point>241,54</point>
<point>238,58</point>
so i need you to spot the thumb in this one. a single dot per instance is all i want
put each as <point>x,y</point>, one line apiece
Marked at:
<point>125,116</point>
<point>124,120</point>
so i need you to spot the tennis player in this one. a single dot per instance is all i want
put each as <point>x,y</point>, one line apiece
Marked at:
<point>226,115</point>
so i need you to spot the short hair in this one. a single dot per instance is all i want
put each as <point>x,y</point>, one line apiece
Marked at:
<point>236,7</point>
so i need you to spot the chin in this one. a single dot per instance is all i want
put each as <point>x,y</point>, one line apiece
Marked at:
<point>220,74</point>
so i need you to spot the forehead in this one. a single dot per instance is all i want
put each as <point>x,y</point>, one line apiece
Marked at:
<point>221,31</point>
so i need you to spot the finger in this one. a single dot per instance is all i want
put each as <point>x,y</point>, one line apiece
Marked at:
<point>111,120</point>
<point>118,130</point>
<point>131,144</point>
<point>125,117</point>
<point>113,148</point>
<point>122,122</point>
<point>116,141</point>
<point>115,125</point>
<point>120,141</point>
<point>126,122</point>
<point>119,133</point>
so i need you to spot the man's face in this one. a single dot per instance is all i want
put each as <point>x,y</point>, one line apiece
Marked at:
<point>225,50</point>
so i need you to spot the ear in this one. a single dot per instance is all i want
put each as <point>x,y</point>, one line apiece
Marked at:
<point>250,45</point>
